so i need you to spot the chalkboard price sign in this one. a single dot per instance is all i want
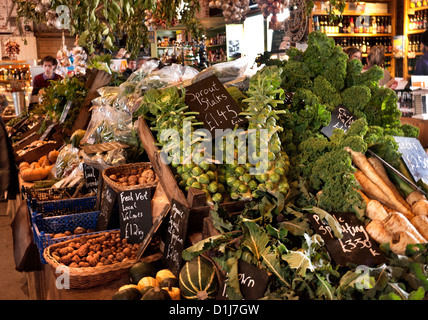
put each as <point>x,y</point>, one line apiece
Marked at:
<point>355,246</point>
<point>92,176</point>
<point>107,205</point>
<point>341,118</point>
<point>253,282</point>
<point>217,109</point>
<point>176,236</point>
<point>135,214</point>
<point>414,156</point>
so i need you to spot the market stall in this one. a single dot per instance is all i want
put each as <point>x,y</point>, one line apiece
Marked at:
<point>289,179</point>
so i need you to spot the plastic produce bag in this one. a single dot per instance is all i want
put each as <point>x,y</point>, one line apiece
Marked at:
<point>168,76</point>
<point>68,159</point>
<point>226,71</point>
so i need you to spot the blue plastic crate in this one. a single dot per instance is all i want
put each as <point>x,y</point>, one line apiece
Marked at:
<point>61,207</point>
<point>44,227</point>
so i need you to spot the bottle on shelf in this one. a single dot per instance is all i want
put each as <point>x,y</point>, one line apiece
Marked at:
<point>374,25</point>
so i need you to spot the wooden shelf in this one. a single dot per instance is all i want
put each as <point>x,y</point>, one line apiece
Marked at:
<point>216,45</point>
<point>370,35</point>
<point>416,31</point>
<point>353,13</point>
<point>412,11</point>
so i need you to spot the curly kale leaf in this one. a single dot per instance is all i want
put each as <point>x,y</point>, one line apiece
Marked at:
<point>326,92</point>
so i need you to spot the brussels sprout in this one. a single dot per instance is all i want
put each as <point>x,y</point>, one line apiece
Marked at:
<point>204,178</point>
<point>275,148</point>
<point>210,175</point>
<point>205,166</point>
<point>197,171</point>
<point>236,184</point>
<point>196,185</point>
<point>242,188</point>
<point>188,167</point>
<point>274,177</point>
<point>271,156</point>
<point>280,171</point>
<point>221,178</point>
<point>190,181</point>
<point>197,158</point>
<point>217,197</point>
<point>239,171</point>
<point>213,187</point>
<point>246,177</point>
<point>262,177</point>
<point>269,185</point>
<point>252,185</point>
<point>231,181</point>
<point>186,175</point>
<point>221,188</point>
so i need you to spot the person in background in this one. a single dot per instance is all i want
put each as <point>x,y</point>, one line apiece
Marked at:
<point>42,80</point>
<point>376,57</point>
<point>132,66</point>
<point>421,67</point>
<point>353,53</point>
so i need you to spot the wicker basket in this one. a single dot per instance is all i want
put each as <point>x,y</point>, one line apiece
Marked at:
<point>126,169</point>
<point>88,277</point>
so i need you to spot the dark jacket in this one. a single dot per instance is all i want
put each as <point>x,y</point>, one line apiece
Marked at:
<point>40,82</point>
<point>421,68</point>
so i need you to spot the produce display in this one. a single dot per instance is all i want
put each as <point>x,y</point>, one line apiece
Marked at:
<point>67,233</point>
<point>149,283</point>
<point>304,176</point>
<point>105,249</point>
<point>134,177</point>
<point>33,145</point>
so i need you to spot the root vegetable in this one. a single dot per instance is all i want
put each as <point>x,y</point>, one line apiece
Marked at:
<point>401,241</point>
<point>420,208</point>
<point>414,197</point>
<point>380,170</point>
<point>421,224</point>
<point>364,165</point>
<point>397,222</point>
<point>375,192</point>
<point>375,211</point>
<point>377,231</point>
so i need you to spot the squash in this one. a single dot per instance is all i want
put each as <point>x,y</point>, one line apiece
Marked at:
<point>53,155</point>
<point>173,292</point>
<point>127,286</point>
<point>23,165</point>
<point>198,279</point>
<point>169,282</point>
<point>164,274</point>
<point>34,173</point>
<point>147,281</point>
<point>155,293</point>
<point>140,270</point>
<point>127,294</point>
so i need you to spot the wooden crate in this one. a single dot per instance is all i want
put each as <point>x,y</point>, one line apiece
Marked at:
<point>194,198</point>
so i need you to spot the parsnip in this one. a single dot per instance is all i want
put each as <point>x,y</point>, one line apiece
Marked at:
<point>374,192</point>
<point>380,170</point>
<point>414,197</point>
<point>375,210</point>
<point>397,222</point>
<point>420,208</point>
<point>421,224</point>
<point>401,241</point>
<point>364,165</point>
<point>377,231</point>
